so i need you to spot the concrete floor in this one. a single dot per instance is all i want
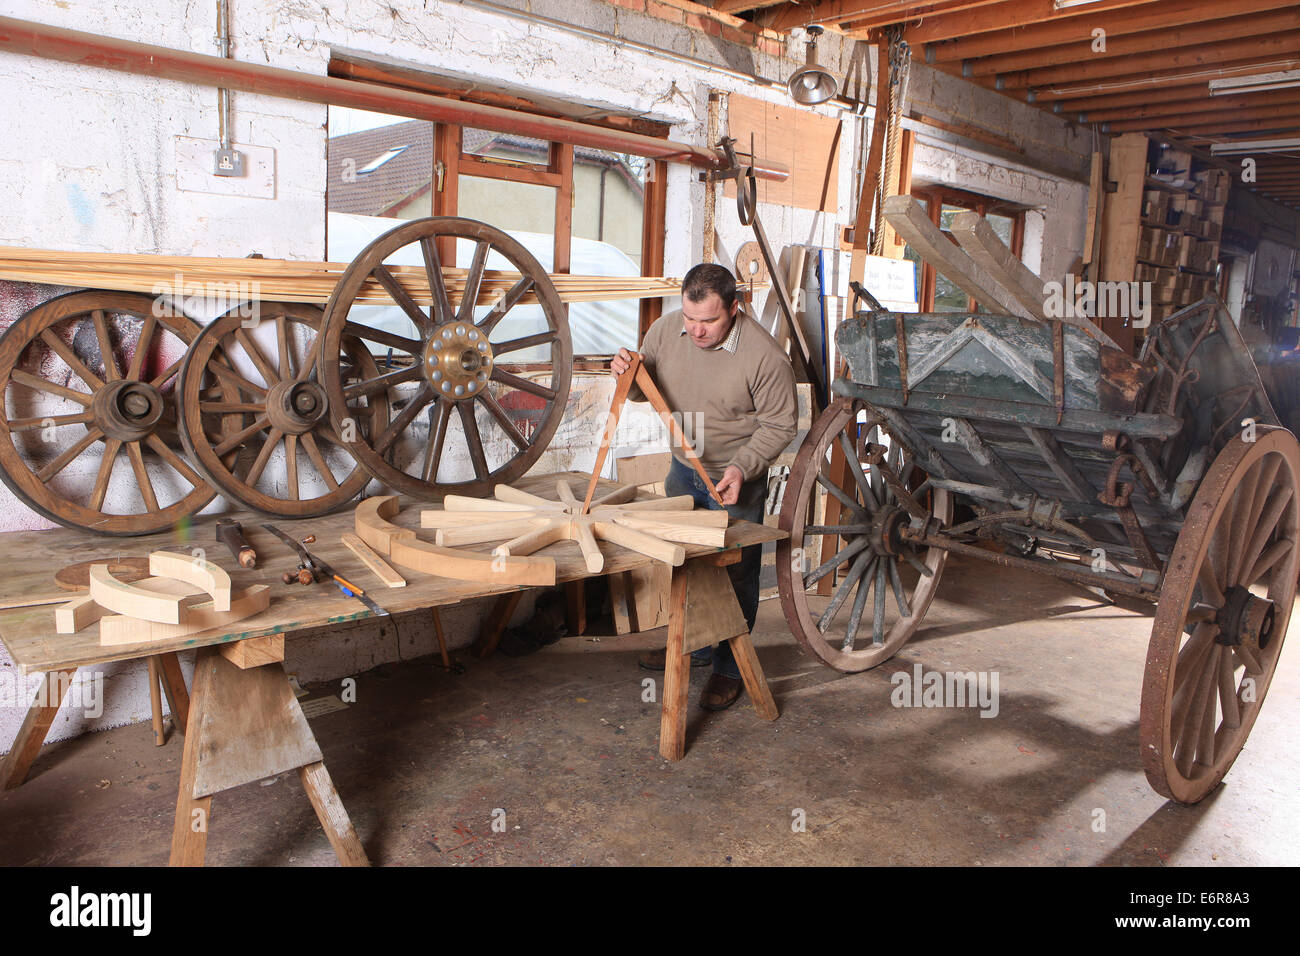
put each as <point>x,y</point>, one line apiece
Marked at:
<point>563,743</point>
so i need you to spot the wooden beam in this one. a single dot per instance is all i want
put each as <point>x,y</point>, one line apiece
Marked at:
<point>1143,81</point>
<point>1282,115</point>
<point>1005,16</point>
<point>1154,16</point>
<point>1255,49</point>
<point>1183,106</point>
<point>1166,37</point>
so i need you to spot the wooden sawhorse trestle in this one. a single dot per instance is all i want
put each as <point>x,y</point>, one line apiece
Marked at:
<point>245,725</point>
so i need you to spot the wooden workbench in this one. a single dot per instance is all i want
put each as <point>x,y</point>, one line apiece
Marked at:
<point>238,709</point>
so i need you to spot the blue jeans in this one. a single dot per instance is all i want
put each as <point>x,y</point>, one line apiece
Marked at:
<point>682,480</point>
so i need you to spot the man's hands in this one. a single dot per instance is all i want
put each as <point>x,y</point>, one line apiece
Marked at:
<point>729,485</point>
<point>621,362</point>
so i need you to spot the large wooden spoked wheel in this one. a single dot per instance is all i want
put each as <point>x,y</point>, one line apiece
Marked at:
<point>473,424</point>
<point>255,419</point>
<point>1223,614</point>
<point>88,380</point>
<point>883,585</point>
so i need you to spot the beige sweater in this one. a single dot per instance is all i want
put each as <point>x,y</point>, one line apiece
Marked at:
<point>736,409</point>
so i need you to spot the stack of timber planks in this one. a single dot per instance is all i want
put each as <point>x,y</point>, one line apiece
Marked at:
<point>1182,222</point>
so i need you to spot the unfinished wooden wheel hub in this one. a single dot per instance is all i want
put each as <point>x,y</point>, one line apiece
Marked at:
<point>457,360</point>
<point>295,407</point>
<point>127,410</point>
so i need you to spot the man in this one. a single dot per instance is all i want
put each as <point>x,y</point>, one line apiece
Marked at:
<point>733,388</point>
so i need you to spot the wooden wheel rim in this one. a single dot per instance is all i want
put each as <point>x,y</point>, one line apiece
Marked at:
<point>86,512</point>
<point>442,317</point>
<point>1245,475</point>
<point>231,472</point>
<point>803,622</point>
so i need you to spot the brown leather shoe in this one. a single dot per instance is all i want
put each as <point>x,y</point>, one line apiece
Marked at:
<point>657,660</point>
<point>721,692</point>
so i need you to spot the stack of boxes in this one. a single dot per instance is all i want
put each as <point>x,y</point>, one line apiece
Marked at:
<point>1182,220</point>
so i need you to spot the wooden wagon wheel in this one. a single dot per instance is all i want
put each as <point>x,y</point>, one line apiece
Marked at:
<point>449,367</point>
<point>1223,614</point>
<point>66,393</point>
<point>255,419</point>
<point>869,556</point>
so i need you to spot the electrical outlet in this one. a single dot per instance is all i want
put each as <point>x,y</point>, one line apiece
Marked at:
<point>227,162</point>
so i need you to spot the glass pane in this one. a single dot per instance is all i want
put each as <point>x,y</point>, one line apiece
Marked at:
<point>1003,226</point>
<point>506,147</point>
<point>514,207</point>
<point>380,168</point>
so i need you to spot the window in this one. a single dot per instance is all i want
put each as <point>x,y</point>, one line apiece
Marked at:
<point>578,210</point>
<point>937,293</point>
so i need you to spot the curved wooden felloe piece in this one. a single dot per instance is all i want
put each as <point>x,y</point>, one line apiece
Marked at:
<point>404,548</point>
<point>132,601</point>
<point>197,616</point>
<point>84,610</point>
<point>196,571</point>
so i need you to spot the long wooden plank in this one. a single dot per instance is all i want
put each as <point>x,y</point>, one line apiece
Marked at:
<point>381,568</point>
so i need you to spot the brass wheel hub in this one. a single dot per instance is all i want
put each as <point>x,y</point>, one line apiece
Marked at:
<point>457,361</point>
<point>296,407</point>
<point>127,410</point>
<point>1245,619</point>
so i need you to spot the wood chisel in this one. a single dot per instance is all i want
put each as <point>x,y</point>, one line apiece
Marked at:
<point>316,564</point>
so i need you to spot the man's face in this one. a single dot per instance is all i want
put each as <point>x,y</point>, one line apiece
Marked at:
<point>708,322</point>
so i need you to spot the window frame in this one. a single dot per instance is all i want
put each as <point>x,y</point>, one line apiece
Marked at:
<point>934,199</point>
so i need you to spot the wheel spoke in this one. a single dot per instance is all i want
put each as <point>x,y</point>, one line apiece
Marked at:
<point>398,342</point>
<point>437,284</point>
<point>230,377</point>
<point>856,575</point>
<point>1187,678</point>
<point>1228,692</point>
<point>526,342</point>
<point>522,384</point>
<point>900,596</point>
<point>1196,696</point>
<point>834,561</point>
<point>264,366</point>
<point>142,347</point>
<point>878,621</point>
<point>29,424</point>
<point>106,355</point>
<point>473,281</point>
<point>237,439</point>
<point>291,465</point>
<point>53,468</point>
<point>473,440</point>
<point>1211,591</point>
<point>166,374</point>
<point>1272,554</point>
<point>437,438</point>
<point>1240,522</point>
<point>79,368</point>
<point>1248,659</point>
<point>142,476</point>
<point>21,377</point>
<point>401,297</point>
<point>839,529</point>
<point>263,456</point>
<point>317,459</point>
<point>231,408</point>
<point>111,446</point>
<point>398,424</point>
<point>1277,503</point>
<point>1205,738</point>
<point>503,420</point>
<point>179,464</point>
<point>382,383</point>
<point>859,605</point>
<point>860,479</point>
<point>504,304</point>
<point>309,366</point>
<point>282,339</point>
<point>835,490</point>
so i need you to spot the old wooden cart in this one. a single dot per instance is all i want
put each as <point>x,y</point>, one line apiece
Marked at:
<point>1036,446</point>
